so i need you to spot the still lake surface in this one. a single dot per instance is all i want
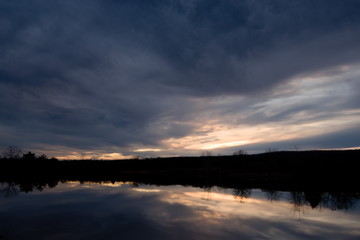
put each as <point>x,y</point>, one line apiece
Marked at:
<point>74,210</point>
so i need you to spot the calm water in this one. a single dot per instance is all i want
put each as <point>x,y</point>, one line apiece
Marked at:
<point>130,211</point>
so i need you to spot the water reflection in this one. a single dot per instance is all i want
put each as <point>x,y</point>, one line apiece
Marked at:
<point>117,210</point>
<point>314,199</point>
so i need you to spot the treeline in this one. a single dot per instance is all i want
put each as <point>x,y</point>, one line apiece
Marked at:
<point>274,170</point>
<point>15,153</point>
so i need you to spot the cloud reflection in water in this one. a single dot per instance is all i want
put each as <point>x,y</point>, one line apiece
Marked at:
<point>122,211</point>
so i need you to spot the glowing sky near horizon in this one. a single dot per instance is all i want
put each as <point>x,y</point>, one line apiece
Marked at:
<point>115,80</point>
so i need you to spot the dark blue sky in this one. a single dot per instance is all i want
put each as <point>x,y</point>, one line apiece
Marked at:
<point>121,78</point>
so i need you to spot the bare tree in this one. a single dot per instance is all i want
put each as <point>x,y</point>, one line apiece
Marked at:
<point>240,152</point>
<point>207,154</point>
<point>270,150</point>
<point>297,148</point>
<point>44,157</point>
<point>12,152</point>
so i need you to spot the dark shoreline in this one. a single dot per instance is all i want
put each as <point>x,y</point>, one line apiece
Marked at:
<point>288,171</point>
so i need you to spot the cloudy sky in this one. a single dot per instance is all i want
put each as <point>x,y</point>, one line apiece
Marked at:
<point>113,79</point>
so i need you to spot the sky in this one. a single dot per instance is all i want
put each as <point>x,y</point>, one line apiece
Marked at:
<point>117,79</point>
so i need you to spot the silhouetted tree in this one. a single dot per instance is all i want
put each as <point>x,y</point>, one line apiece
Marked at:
<point>43,157</point>
<point>29,156</point>
<point>12,152</point>
<point>206,154</point>
<point>269,150</point>
<point>240,152</point>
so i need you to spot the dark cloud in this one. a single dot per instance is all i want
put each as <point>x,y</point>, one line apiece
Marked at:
<point>125,72</point>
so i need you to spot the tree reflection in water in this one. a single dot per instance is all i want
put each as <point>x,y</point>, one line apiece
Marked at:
<point>272,195</point>
<point>241,194</point>
<point>336,200</point>
<point>9,189</point>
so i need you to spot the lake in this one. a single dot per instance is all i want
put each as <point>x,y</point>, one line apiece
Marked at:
<point>123,210</point>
